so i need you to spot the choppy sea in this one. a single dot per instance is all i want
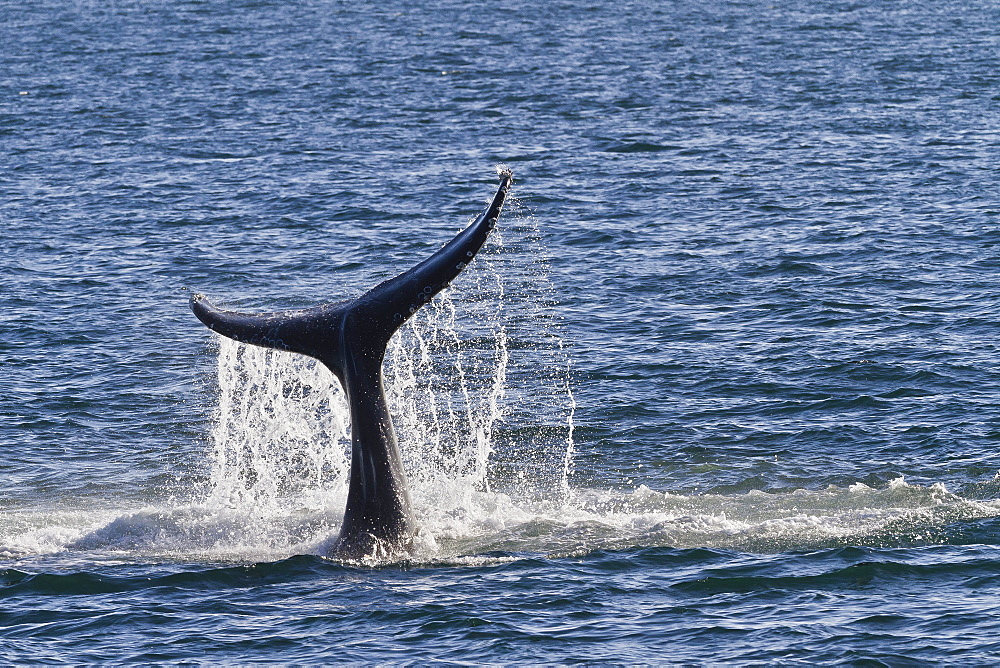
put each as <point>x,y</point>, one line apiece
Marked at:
<point>723,387</point>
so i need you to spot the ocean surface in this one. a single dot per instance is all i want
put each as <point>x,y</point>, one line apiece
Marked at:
<point>723,387</point>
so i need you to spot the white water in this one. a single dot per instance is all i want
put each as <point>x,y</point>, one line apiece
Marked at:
<point>479,387</point>
<point>282,436</point>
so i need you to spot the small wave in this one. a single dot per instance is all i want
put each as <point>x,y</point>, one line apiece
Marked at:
<point>640,147</point>
<point>869,573</point>
<point>92,583</point>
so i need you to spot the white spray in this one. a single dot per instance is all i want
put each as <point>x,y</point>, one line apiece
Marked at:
<point>474,461</point>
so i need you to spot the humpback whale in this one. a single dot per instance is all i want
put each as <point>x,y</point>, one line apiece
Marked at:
<point>350,338</point>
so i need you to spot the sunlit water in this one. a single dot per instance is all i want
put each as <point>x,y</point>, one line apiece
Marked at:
<point>723,387</point>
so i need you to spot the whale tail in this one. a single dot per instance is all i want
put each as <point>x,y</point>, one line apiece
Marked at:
<point>377,314</point>
<point>350,338</point>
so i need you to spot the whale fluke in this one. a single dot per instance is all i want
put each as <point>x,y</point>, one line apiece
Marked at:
<point>350,338</point>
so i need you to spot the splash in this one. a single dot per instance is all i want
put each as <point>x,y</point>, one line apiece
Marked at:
<point>468,437</point>
<point>897,515</point>
<point>479,385</point>
<point>281,432</point>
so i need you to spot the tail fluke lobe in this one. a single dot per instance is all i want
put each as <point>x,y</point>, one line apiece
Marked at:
<point>392,302</point>
<point>310,332</point>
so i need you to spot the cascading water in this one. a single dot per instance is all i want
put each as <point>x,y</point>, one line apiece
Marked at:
<point>478,449</point>
<point>280,440</point>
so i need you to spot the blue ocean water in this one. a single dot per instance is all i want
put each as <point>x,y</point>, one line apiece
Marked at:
<point>724,387</point>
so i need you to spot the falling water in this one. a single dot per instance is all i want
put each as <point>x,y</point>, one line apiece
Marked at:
<point>478,386</point>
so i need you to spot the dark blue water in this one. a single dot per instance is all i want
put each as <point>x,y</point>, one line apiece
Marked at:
<point>725,387</point>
